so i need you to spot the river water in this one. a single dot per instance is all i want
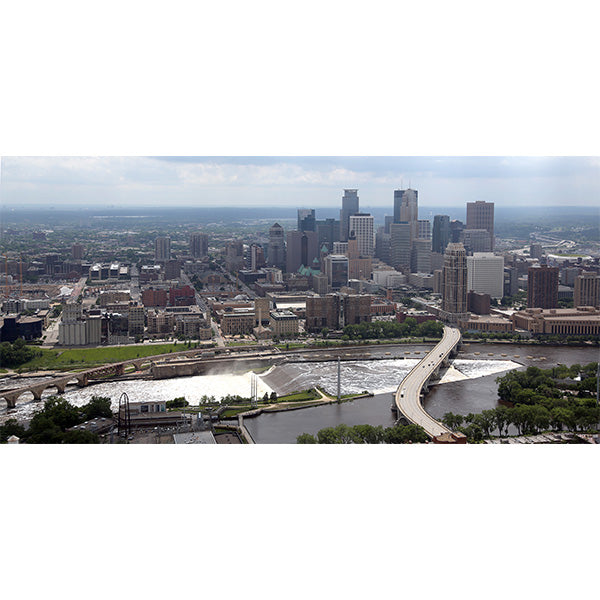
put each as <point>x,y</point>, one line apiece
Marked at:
<point>467,386</point>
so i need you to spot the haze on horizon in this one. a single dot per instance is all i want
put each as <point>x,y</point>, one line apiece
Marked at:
<point>297,181</point>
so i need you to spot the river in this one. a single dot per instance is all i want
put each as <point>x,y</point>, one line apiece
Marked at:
<point>467,386</point>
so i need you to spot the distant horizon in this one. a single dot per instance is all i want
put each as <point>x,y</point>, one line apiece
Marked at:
<point>299,182</point>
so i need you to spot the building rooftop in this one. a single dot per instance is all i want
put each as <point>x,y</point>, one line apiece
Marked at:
<point>194,437</point>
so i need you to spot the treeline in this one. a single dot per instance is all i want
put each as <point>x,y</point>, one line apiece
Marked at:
<point>393,329</point>
<point>17,353</point>
<point>537,400</point>
<point>49,426</point>
<point>366,434</point>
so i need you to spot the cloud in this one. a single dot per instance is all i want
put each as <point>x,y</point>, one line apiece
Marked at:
<point>307,180</point>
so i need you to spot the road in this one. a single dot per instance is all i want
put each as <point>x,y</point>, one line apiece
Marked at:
<point>408,395</point>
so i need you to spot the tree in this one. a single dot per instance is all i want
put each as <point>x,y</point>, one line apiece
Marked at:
<point>367,434</point>
<point>306,438</point>
<point>10,428</point>
<point>80,437</point>
<point>328,435</point>
<point>98,406</point>
<point>273,397</point>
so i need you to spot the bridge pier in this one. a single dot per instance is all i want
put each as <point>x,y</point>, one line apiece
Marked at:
<point>82,380</point>
<point>11,401</point>
<point>60,386</point>
<point>37,393</point>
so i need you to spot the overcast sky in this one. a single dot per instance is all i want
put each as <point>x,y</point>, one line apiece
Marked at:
<point>297,181</point>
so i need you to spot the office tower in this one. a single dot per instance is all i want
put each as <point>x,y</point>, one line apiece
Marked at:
<point>441,233</point>
<point>257,257</point>
<point>388,220</point>
<point>454,275</point>
<point>349,207</point>
<point>382,245</point>
<point>162,248</point>
<point>476,240</point>
<point>361,228</point>
<point>234,256</point>
<point>328,231</point>
<point>587,289</point>
<point>511,281</point>
<point>306,219</point>
<point>423,229</point>
<point>198,245</point>
<point>406,210</point>
<point>336,269</point>
<point>172,269</point>
<point>456,228</point>
<point>485,274</point>
<point>536,251</point>
<point>542,287</point>
<point>480,215</point>
<point>77,251</point>
<point>568,275</point>
<point>420,256</point>
<point>276,253</point>
<point>302,250</point>
<point>400,245</point>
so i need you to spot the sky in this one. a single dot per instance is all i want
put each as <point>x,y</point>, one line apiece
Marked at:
<point>297,181</point>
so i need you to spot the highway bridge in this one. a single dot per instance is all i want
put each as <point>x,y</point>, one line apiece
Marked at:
<point>408,395</point>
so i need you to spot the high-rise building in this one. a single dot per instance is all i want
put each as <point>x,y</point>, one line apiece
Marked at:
<point>306,219</point>
<point>480,215</point>
<point>441,233</point>
<point>424,229</point>
<point>77,251</point>
<point>276,253</point>
<point>400,245</point>
<point>361,228</point>
<point>536,251</point>
<point>406,210</point>
<point>257,257</point>
<point>587,289</point>
<point>388,220</point>
<point>454,275</point>
<point>485,274</point>
<point>420,256</point>
<point>456,228</point>
<point>511,281</point>
<point>234,256</point>
<point>302,249</point>
<point>382,245</point>
<point>162,248</point>
<point>336,269</point>
<point>349,207</point>
<point>476,240</point>
<point>328,231</point>
<point>542,287</point>
<point>198,245</point>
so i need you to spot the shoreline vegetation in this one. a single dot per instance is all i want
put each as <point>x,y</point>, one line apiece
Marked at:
<point>24,358</point>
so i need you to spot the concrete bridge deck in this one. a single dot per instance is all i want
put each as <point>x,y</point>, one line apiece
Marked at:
<point>408,394</point>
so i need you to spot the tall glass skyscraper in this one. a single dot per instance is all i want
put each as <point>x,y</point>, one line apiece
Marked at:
<point>349,207</point>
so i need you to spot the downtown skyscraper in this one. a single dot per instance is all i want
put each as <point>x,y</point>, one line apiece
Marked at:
<point>349,207</point>
<point>480,215</point>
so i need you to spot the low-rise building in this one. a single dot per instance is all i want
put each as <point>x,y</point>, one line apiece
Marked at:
<point>283,323</point>
<point>582,320</point>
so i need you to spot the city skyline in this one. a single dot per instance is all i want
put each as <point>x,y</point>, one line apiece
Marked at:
<point>297,181</point>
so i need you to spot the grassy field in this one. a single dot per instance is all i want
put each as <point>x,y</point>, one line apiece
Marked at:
<point>90,357</point>
<point>300,396</point>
